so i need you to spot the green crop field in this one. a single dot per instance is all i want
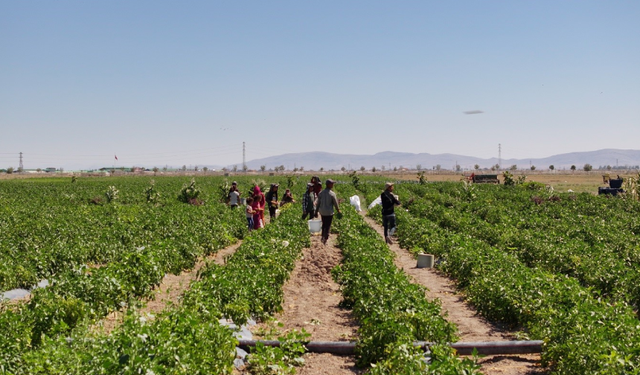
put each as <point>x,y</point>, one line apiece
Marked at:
<point>560,267</point>
<point>564,267</point>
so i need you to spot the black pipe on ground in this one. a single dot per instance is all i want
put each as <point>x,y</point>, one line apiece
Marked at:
<point>463,348</point>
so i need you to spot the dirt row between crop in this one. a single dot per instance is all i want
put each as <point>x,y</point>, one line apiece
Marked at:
<point>170,289</point>
<point>471,326</point>
<point>311,300</point>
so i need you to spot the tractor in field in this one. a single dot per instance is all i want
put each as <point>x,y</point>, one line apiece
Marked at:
<point>615,186</point>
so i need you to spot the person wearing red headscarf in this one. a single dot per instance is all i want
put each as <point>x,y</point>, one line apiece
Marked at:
<point>258,208</point>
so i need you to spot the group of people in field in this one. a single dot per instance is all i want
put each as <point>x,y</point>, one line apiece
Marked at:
<point>316,201</point>
<point>258,202</point>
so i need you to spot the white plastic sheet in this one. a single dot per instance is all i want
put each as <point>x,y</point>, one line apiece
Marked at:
<point>355,202</point>
<point>375,202</point>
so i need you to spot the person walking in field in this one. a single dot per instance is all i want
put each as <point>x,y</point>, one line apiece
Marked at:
<point>389,201</point>
<point>308,199</point>
<point>327,201</point>
<point>272,201</point>
<point>234,196</point>
<point>258,208</point>
<point>249,212</point>
<point>234,186</point>
<point>317,186</point>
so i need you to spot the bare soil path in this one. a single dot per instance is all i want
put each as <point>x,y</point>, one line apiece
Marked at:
<point>471,326</point>
<point>173,286</point>
<point>311,299</point>
<point>170,289</point>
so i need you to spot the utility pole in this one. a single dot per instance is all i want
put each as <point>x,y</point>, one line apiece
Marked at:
<point>244,163</point>
<point>20,167</point>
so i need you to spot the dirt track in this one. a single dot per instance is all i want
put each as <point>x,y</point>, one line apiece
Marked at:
<point>311,299</point>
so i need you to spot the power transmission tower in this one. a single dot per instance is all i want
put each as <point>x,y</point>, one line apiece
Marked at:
<point>244,163</point>
<point>21,167</point>
<point>499,155</point>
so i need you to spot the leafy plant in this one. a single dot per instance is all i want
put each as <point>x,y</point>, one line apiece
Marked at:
<point>223,191</point>
<point>291,181</point>
<point>355,180</point>
<point>190,193</point>
<point>421,178</point>
<point>392,311</point>
<point>559,270</point>
<point>267,360</point>
<point>111,194</point>
<point>269,330</point>
<point>151,193</point>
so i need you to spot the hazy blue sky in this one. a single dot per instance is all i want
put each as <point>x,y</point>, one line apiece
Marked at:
<point>157,82</point>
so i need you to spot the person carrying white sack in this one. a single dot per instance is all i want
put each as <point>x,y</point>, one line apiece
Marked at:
<point>389,201</point>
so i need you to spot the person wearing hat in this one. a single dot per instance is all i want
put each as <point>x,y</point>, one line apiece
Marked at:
<point>308,208</point>
<point>389,201</point>
<point>327,201</point>
<point>272,201</point>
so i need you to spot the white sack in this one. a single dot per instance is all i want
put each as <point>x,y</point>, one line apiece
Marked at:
<point>376,202</point>
<point>355,202</point>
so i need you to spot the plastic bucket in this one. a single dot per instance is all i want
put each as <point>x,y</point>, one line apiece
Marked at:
<point>315,226</point>
<point>425,261</point>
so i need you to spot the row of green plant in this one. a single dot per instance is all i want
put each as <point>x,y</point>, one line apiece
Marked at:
<point>178,341</point>
<point>53,224</point>
<point>590,238</point>
<point>582,333</point>
<point>186,339</point>
<point>393,312</point>
<point>51,227</point>
<point>83,295</point>
<point>250,285</point>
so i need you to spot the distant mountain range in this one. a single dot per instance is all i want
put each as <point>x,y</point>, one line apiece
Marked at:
<point>390,160</point>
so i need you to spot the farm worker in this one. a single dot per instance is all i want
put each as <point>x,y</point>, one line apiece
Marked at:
<point>389,200</point>
<point>249,212</point>
<point>287,198</point>
<point>258,208</point>
<point>308,208</point>
<point>317,186</point>
<point>327,201</point>
<point>234,195</point>
<point>272,201</point>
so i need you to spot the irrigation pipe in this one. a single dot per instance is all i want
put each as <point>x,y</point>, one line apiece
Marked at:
<point>463,348</point>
